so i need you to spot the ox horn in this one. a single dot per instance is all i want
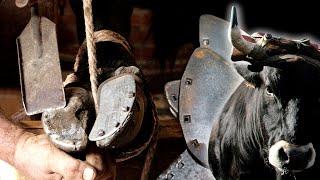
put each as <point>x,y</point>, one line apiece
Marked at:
<point>248,48</point>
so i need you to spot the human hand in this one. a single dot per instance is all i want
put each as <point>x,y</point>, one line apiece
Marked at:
<point>24,3</point>
<point>37,158</point>
<point>21,3</point>
<point>102,162</point>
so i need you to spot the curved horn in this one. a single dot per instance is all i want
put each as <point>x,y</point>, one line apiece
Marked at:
<point>239,42</point>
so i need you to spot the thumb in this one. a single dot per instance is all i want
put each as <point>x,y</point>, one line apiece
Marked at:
<point>89,173</point>
<point>70,168</point>
<point>103,162</point>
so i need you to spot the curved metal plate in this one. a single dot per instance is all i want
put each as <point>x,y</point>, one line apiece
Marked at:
<point>214,35</point>
<point>171,89</point>
<point>116,99</point>
<point>207,83</point>
<point>214,29</point>
<point>185,168</point>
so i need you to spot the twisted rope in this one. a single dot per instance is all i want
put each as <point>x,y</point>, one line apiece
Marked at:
<point>91,49</point>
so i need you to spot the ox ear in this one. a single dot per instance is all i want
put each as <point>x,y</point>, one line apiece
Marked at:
<point>252,77</point>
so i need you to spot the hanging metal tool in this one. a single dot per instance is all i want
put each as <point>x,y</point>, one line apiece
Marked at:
<point>40,72</point>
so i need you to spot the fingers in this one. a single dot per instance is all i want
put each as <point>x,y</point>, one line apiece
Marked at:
<point>103,163</point>
<point>44,176</point>
<point>21,3</point>
<point>88,173</point>
<point>69,167</point>
<point>95,158</point>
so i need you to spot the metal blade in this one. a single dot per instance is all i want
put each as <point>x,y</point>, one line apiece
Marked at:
<point>171,90</point>
<point>40,72</point>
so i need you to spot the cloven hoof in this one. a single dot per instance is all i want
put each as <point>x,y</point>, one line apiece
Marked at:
<point>67,127</point>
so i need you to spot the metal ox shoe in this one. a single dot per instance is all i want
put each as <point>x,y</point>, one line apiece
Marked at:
<point>67,127</point>
<point>126,122</point>
<point>209,73</point>
<point>122,106</point>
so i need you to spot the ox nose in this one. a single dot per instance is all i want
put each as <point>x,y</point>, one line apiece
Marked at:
<point>286,156</point>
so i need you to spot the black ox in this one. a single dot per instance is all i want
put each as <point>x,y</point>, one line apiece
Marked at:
<point>268,128</point>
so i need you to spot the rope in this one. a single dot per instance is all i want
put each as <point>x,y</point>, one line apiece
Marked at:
<point>91,49</point>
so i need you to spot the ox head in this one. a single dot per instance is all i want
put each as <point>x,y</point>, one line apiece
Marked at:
<point>288,82</point>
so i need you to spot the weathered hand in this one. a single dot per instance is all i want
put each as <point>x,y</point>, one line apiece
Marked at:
<point>38,159</point>
<point>102,162</point>
<point>24,3</point>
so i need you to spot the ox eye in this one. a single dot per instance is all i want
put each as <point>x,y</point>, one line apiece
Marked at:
<point>269,92</point>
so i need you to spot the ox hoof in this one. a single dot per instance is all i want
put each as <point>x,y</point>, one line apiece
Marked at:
<point>121,110</point>
<point>66,127</point>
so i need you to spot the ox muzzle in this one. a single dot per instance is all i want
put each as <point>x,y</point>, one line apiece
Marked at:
<point>289,157</point>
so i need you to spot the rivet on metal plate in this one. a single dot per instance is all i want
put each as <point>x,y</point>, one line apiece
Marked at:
<point>131,94</point>
<point>101,132</point>
<point>180,165</point>
<point>117,124</point>
<point>188,81</point>
<point>174,97</point>
<point>125,108</point>
<point>195,143</point>
<point>170,176</point>
<point>187,118</point>
<point>206,42</point>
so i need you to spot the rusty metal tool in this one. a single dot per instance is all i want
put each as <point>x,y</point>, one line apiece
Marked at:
<point>40,72</point>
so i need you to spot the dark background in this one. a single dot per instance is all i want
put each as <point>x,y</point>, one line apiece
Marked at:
<point>175,22</point>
